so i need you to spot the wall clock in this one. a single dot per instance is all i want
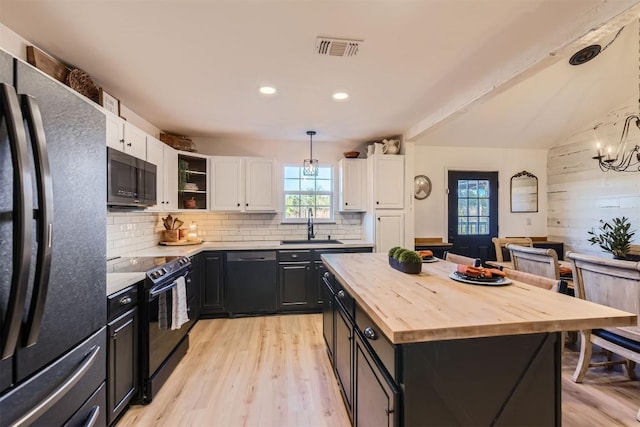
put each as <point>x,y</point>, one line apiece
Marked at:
<point>421,187</point>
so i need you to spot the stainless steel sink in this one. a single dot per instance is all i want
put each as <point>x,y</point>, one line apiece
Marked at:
<point>313,242</point>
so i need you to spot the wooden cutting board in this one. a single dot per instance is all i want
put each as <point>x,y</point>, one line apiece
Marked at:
<point>182,243</point>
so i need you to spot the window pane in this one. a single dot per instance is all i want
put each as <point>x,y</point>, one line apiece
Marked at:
<point>473,207</point>
<point>473,188</point>
<point>292,200</point>
<point>483,225</point>
<point>462,188</point>
<point>484,207</point>
<point>462,225</point>
<point>323,185</point>
<point>291,185</point>
<point>323,213</point>
<point>323,201</point>
<point>291,172</point>
<point>483,188</point>
<point>324,173</point>
<point>462,207</point>
<point>293,212</point>
<point>307,184</point>
<point>307,199</point>
<point>473,225</point>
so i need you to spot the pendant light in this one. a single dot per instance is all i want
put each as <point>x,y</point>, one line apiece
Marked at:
<point>310,165</point>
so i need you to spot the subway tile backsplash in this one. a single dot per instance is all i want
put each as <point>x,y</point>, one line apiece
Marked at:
<point>129,232</point>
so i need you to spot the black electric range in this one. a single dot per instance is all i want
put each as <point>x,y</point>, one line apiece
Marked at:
<point>161,343</point>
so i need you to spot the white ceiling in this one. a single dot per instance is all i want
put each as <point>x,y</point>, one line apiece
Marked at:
<point>426,69</point>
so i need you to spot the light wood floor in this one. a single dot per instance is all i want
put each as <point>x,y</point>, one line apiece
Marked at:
<point>273,371</point>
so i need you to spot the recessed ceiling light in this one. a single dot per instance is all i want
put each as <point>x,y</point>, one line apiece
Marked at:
<point>340,96</point>
<point>267,90</point>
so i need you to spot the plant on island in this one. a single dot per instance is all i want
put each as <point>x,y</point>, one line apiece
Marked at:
<point>410,257</point>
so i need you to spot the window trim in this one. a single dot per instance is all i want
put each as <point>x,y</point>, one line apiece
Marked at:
<point>332,193</point>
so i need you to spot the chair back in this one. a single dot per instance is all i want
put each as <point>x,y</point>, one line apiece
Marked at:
<point>502,253</point>
<point>539,261</point>
<point>533,279</point>
<point>461,259</point>
<point>610,282</point>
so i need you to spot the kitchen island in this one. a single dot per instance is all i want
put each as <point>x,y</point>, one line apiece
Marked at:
<point>432,351</point>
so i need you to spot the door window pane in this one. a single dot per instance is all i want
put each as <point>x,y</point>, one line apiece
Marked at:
<point>473,207</point>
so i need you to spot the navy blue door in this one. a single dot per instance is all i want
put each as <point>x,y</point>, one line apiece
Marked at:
<point>473,213</point>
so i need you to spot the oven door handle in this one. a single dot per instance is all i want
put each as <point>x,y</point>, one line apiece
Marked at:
<point>162,289</point>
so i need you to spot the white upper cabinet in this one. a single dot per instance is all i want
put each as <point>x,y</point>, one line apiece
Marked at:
<point>243,184</point>
<point>166,160</point>
<point>227,185</point>
<point>352,182</point>
<point>125,137</point>
<point>388,181</point>
<point>260,189</point>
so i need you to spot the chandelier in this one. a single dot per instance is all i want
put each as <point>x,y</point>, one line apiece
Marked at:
<point>310,165</point>
<point>626,156</point>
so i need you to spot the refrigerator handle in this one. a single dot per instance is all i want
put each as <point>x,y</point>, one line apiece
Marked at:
<point>22,215</point>
<point>44,228</point>
<point>37,411</point>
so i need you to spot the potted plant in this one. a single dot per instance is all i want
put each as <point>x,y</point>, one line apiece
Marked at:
<point>613,237</point>
<point>405,260</point>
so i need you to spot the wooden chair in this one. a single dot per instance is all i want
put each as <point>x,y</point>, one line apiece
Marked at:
<point>616,284</point>
<point>461,259</point>
<point>538,281</point>
<point>539,261</point>
<point>501,242</point>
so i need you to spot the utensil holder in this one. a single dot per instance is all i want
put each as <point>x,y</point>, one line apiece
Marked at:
<point>171,235</point>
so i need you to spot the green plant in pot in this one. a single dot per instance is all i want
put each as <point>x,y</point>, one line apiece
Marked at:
<point>614,237</point>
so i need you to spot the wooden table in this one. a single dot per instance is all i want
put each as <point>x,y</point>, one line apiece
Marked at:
<point>468,354</point>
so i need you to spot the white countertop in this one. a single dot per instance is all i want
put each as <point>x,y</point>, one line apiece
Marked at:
<point>119,281</point>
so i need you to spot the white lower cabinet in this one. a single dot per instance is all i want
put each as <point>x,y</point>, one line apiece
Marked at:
<point>389,230</point>
<point>243,184</point>
<point>166,160</point>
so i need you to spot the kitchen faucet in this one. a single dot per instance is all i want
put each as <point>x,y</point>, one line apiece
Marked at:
<point>310,233</point>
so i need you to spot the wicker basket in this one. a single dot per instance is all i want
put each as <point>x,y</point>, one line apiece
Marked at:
<point>81,82</point>
<point>178,142</point>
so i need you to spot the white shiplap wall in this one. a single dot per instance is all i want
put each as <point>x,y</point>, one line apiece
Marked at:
<point>580,194</point>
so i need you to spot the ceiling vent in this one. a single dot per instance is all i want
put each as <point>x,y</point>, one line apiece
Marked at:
<point>337,47</point>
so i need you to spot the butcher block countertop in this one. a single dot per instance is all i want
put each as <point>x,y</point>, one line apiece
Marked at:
<point>430,306</point>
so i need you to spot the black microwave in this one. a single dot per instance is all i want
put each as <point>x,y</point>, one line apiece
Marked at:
<point>131,182</point>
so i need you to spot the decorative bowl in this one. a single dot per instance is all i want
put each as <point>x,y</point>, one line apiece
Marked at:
<point>351,154</point>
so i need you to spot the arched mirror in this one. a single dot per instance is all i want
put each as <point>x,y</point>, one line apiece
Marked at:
<point>524,192</point>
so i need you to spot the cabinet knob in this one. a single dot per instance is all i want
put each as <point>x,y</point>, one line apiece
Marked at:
<point>122,140</point>
<point>341,294</point>
<point>370,333</point>
<point>238,204</point>
<point>378,218</point>
<point>346,203</point>
<point>377,203</point>
<point>246,204</point>
<point>128,144</point>
<point>125,300</point>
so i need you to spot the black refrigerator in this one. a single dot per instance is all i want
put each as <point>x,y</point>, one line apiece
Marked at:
<point>52,251</point>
